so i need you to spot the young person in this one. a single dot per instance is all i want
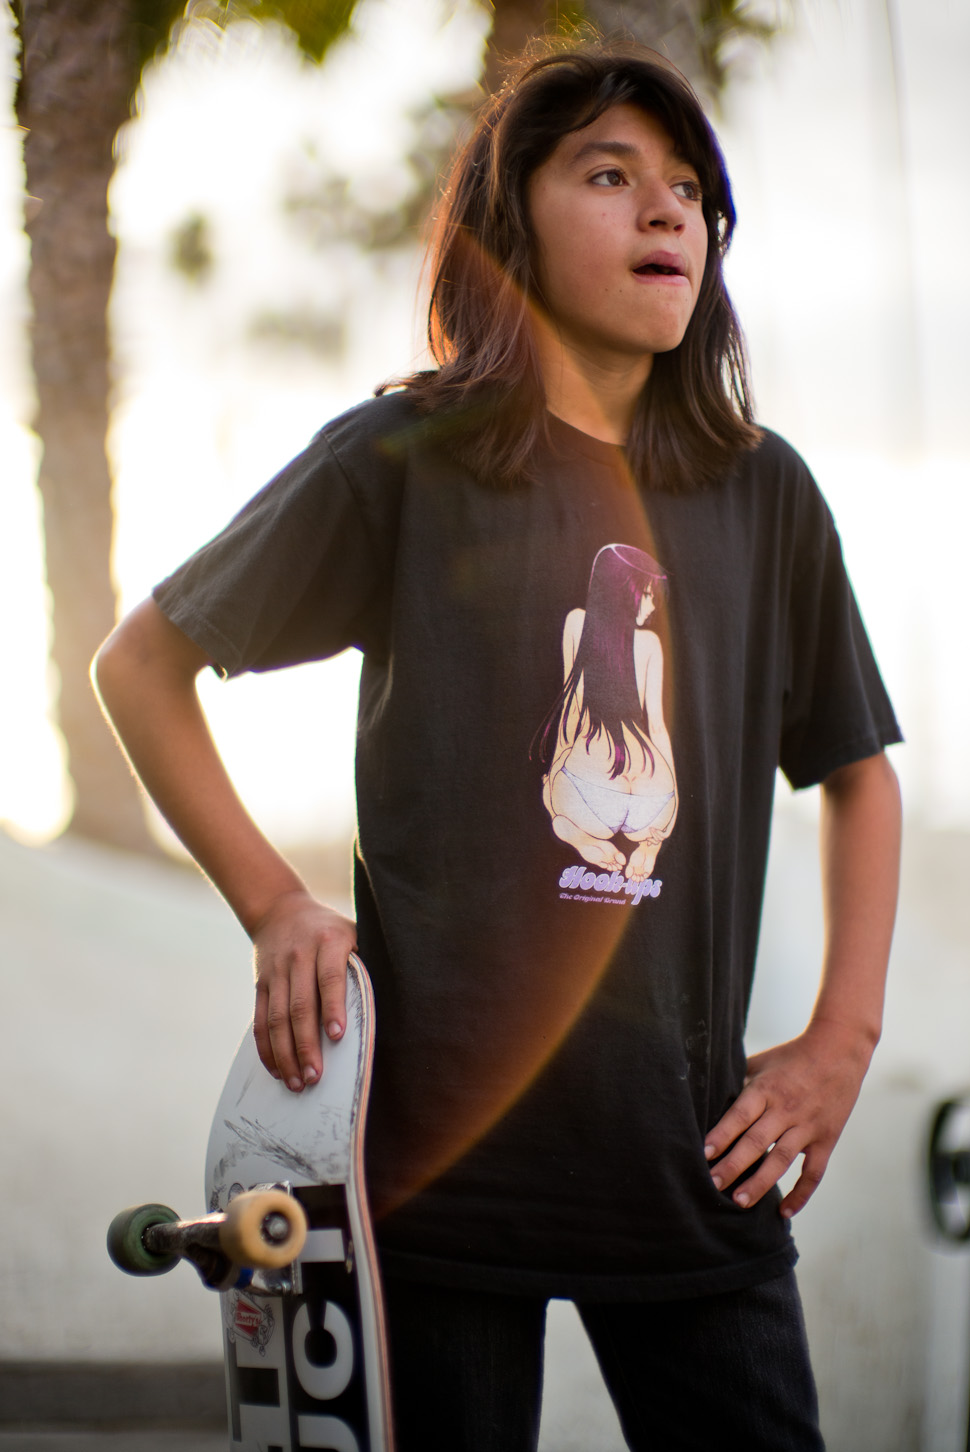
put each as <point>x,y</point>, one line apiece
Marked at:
<point>562,1105</point>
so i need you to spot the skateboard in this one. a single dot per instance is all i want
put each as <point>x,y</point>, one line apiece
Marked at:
<point>303,1327</point>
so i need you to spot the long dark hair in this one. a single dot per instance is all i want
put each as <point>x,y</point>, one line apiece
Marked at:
<point>694,415</point>
<point>604,667</point>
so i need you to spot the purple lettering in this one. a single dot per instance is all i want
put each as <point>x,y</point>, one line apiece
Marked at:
<point>641,889</point>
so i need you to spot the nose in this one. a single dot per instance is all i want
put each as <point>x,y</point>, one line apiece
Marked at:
<point>660,207</point>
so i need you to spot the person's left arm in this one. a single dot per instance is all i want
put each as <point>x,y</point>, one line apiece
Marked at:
<point>798,1096</point>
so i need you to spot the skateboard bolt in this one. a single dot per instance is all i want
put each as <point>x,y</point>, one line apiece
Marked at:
<point>276,1228</point>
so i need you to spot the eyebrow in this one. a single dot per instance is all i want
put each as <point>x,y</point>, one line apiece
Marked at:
<point>624,150</point>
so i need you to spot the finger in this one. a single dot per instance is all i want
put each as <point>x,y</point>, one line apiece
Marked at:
<point>287,1001</point>
<point>775,1164</point>
<point>264,1047</point>
<point>754,1145</point>
<point>816,1163</point>
<point>332,988</point>
<point>746,1110</point>
<point>304,1024</point>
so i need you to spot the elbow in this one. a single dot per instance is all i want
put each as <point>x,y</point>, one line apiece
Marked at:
<point>146,651</point>
<point>125,652</point>
<point>108,669</point>
<point>141,646</point>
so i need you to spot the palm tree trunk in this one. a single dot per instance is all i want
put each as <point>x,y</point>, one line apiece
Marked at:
<point>514,24</point>
<point>79,71</point>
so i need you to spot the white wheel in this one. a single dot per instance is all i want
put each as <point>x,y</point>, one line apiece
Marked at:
<point>263,1228</point>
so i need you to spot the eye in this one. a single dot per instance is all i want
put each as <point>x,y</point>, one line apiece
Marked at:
<point>688,189</point>
<point>611,177</point>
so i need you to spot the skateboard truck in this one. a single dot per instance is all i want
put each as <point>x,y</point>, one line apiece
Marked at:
<point>252,1245</point>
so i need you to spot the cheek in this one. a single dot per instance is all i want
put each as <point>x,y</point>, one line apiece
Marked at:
<point>571,260</point>
<point>567,244</point>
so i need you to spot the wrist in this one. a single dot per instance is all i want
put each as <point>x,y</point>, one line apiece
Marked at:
<point>855,1038</point>
<point>287,896</point>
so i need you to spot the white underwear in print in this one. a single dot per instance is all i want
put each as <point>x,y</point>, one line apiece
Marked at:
<point>620,811</point>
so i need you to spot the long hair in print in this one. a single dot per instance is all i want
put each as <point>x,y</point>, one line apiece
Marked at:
<point>602,682</point>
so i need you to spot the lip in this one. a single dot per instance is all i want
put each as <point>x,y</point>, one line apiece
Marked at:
<point>671,265</point>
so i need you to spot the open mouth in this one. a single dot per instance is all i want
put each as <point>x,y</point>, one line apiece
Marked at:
<point>658,269</point>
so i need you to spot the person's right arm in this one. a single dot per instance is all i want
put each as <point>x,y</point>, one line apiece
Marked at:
<point>145,675</point>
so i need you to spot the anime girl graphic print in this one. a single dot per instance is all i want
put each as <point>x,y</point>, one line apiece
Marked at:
<point>609,786</point>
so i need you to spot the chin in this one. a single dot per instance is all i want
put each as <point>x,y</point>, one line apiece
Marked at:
<point>667,342</point>
<point>661,339</point>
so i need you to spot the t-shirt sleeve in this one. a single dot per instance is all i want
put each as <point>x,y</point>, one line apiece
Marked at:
<point>836,709</point>
<point>300,574</point>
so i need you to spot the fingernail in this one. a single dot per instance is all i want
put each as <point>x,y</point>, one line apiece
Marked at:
<point>717,1182</point>
<point>310,1075</point>
<point>295,1084</point>
<point>708,1152</point>
<point>334,1031</point>
<point>786,1214</point>
<point>741,1198</point>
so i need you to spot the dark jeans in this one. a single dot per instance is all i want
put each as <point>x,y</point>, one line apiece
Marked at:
<point>730,1370</point>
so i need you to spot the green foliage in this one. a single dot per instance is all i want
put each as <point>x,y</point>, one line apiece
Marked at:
<point>707,39</point>
<point>382,211</point>
<point>569,18</point>
<point>316,24</point>
<point>315,331</point>
<point>723,26</point>
<point>152,24</point>
<point>190,248</point>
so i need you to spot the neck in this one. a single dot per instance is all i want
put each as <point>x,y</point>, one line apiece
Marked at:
<point>598,396</point>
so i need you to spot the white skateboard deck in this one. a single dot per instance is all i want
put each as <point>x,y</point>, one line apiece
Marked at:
<point>306,1368</point>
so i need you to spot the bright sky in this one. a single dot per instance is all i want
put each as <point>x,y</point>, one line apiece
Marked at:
<point>846,273</point>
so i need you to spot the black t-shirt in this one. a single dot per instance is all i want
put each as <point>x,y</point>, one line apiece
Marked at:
<point>573,702</point>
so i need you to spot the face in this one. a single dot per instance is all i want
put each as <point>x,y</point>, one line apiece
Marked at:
<point>620,238</point>
<point>646,606</point>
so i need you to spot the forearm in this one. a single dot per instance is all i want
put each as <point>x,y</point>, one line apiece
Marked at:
<point>798,1095</point>
<point>860,845</point>
<point>146,678</point>
<point>145,674</point>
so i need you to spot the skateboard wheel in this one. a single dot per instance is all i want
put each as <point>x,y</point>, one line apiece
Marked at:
<point>264,1228</point>
<point>126,1245</point>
